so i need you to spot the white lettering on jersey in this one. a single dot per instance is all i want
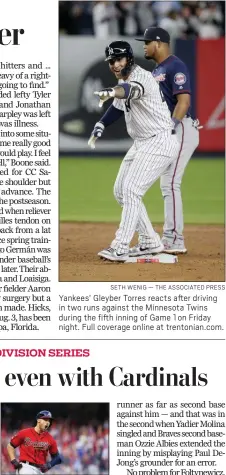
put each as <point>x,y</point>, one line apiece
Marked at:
<point>160,77</point>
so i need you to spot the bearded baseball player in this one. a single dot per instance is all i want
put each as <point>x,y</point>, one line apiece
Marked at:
<point>138,97</point>
<point>174,80</point>
<point>35,443</point>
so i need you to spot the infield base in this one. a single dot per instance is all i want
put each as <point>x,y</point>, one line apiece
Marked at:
<point>153,259</point>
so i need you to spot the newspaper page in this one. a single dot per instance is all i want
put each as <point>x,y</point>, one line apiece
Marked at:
<point>106,368</point>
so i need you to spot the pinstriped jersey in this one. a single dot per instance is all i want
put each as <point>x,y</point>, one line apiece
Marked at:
<point>148,114</point>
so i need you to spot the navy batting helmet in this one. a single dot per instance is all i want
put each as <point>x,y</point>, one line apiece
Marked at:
<point>44,415</point>
<point>120,49</point>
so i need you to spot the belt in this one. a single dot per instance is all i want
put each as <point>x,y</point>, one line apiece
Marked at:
<point>30,463</point>
<point>172,132</point>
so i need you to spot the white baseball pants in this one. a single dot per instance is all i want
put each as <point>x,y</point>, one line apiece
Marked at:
<point>170,181</point>
<point>28,470</point>
<point>144,163</point>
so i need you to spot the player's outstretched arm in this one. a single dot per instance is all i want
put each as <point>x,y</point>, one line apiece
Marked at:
<point>122,91</point>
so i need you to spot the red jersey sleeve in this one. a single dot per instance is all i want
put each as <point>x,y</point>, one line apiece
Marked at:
<point>53,447</point>
<point>17,439</point>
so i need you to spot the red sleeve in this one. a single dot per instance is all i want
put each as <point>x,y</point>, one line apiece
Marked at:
<point>53,448</point>
<point>17,439</point>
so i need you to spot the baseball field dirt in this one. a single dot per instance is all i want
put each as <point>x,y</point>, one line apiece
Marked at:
<point>80,243</point>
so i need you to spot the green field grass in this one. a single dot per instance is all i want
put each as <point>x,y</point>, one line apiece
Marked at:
<point>86,191</point>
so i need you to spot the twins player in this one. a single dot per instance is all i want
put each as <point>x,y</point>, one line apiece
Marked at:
<point>35,443</point>
<point>138,97</point>
<point>173,78</point>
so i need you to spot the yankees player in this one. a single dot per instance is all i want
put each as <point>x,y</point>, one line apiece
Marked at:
<point>34,444</point>
<point>155,146</point>
<point>173,77</point>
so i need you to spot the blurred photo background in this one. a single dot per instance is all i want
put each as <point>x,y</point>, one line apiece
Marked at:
<point>182,19</point>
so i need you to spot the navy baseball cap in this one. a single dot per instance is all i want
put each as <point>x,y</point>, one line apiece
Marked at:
<point>44,415</point>
<point>155,34</point>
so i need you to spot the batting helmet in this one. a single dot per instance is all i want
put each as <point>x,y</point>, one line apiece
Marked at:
<point>120,49</point>
<point>44,415</point>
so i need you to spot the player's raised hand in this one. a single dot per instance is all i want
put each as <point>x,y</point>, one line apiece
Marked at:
<point>104,95</point>
<point>96,134</point>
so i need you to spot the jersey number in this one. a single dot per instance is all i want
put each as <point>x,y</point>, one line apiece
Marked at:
<point>162,95</point>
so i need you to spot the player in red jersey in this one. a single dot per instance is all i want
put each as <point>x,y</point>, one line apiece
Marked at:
<point>34,443</point>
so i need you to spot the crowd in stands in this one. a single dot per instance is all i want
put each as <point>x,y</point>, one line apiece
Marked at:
<point>182,19</point>
<point>84,448</point>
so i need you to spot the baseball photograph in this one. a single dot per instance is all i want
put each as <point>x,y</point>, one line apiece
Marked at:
<point>142,143</point>
<point>58,438</point>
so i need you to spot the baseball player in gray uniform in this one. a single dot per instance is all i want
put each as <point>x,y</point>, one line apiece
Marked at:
<point>173,77</point>
<point>138,97</point>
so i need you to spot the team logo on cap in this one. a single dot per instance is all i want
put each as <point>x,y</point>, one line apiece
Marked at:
<point>180,78</point>
<point>116,50</point>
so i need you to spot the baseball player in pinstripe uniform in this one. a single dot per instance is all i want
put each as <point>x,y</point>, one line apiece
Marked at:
<point>173,77</point>
<point>138,97</point>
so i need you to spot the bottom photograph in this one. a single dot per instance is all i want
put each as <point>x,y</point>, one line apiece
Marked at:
<point>59,438</point>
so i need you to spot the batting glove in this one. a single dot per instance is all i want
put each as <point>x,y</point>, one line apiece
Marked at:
<point>197,125</point>
<point>104,95</point>
<point>44,468</point>
<point>96,134</point>
<point>17,465</point>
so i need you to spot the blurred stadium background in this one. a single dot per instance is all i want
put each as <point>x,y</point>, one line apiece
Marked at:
<point>80,430</point>
<point>197,32</point>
